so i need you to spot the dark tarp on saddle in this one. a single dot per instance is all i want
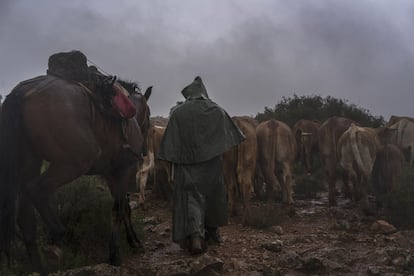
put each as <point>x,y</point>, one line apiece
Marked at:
<point>69,66</point>
<point>110,98</point>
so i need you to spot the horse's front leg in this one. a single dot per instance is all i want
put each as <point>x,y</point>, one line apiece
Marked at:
<point>118,211</point>
<point>121,212</point>
<point>132,238</point>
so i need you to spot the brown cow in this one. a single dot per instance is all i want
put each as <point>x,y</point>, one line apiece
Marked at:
<point>400,134</point>
<point>387,168</point>
<point>328,136</point>
<point>239,166</point>
<point>306,134</point>
<point>276,153</point>
<point>149,164</point>
<point>357,151</point>
<point>395,119</point>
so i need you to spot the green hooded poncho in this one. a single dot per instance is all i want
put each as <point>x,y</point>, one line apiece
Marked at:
<point>197,134</point>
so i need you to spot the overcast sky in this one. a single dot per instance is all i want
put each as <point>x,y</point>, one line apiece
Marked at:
<point>250,53</point>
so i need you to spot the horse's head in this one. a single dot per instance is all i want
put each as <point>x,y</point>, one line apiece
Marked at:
<point>143,111</point>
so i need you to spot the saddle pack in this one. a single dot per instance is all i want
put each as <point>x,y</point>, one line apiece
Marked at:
<point>110,97</point>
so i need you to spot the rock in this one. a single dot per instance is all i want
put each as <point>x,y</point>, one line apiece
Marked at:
<point>179,267</point>
<point>374,270</point>
<point>312,264</point>
<point>291,260</point>
<point>399,261</point>
<point>275,246</point>
<point>206,265</point>
<point>277,229</point>
<point>383,227</point>
<point>150,220</point>
<point>165,234</point>
<point>394,256</point>
<point>133,204</point>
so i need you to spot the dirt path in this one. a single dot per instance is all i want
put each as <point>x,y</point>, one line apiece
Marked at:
<point>310,239</point>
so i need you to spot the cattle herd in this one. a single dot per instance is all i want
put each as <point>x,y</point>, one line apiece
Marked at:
<point>365,159</point>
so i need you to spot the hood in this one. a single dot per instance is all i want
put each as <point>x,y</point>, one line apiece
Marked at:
<point>195,90</point>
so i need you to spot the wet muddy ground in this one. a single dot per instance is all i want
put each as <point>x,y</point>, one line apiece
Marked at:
<point>309,239</point>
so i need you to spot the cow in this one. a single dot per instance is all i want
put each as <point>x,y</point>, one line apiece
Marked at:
<point>239,166</point>
<point>387,168</point>
<point>328,136</point>
<point>395,119</point>
<point>306,135</point>
<point>400,134</point>
<point>276,154</point>
<point>357,150</point>
<point>149,164</point>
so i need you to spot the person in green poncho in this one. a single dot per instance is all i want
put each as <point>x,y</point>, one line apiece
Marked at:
<point>197,134</point>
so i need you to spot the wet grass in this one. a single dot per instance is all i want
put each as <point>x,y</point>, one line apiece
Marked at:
<point>84,207</point>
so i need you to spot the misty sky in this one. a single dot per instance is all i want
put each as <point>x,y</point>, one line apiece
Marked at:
<point>250,53</point>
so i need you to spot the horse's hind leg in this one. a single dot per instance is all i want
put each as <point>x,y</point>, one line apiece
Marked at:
<point>26,220</point>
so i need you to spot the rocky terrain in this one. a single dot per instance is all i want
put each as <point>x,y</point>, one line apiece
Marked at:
<point>309,239</point>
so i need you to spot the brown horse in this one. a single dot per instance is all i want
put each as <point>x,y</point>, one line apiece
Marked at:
<point>52,119</point>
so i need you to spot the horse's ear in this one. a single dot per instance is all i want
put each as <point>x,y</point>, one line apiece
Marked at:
<point>147,93</point>
<point>113,80</point>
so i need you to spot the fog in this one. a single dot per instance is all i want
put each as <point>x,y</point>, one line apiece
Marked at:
<point>249,53</point>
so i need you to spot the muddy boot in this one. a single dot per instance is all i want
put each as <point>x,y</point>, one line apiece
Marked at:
<point>196,245</point>
<point>185,244</point>
<point>213,235</point>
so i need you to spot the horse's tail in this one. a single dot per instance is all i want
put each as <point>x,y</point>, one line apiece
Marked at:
<point>10,160</point>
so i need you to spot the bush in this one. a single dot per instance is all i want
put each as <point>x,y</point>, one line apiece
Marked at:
<point>399,204</point>
<point>292,109</point>
<point>84,207</point>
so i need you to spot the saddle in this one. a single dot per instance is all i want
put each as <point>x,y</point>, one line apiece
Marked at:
<point>110,98</point>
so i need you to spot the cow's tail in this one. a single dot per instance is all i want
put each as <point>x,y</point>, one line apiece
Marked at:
<point>141,177</point>
<point>240,153</point>
<point>355,149</point>
<point>241,182</point>
<point>273,141</point>
<point>11,133</point>
<point>151,162</point>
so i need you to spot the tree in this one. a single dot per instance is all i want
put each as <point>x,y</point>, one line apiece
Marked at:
<point>292,109</point>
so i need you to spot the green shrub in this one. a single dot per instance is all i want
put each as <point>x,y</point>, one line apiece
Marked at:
<point>84,207</point>
<point>314,107</point>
